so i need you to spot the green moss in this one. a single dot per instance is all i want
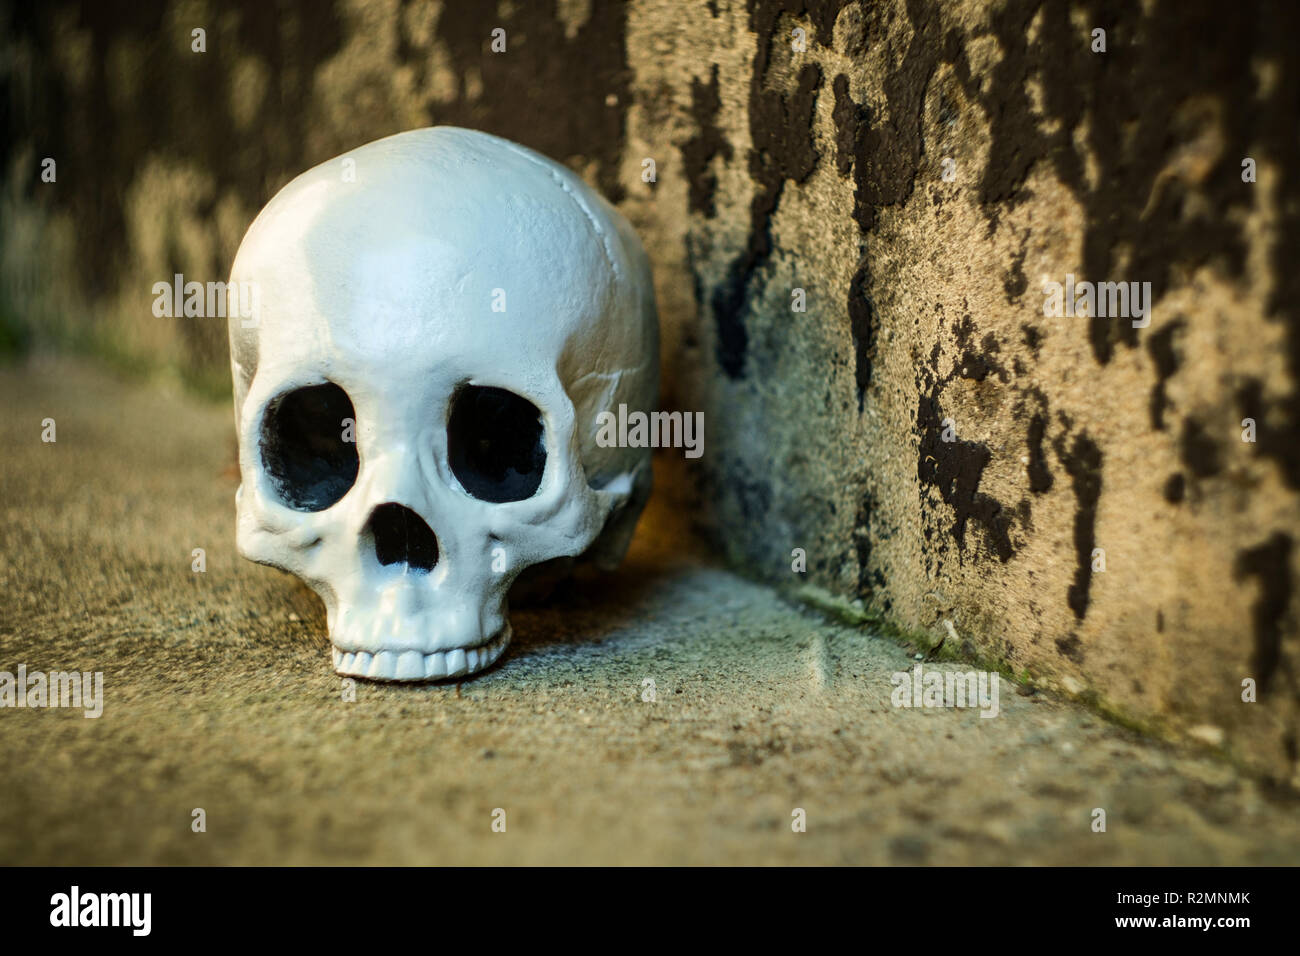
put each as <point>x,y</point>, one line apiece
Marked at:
<point>1120,717</point>
<point>15,334</point>
<point>22,330</point>
<point>866,617</point>
<point>210,384</point>
<point>847,612</point>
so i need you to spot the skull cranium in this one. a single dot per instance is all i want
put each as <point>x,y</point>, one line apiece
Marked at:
<point>441,316</point>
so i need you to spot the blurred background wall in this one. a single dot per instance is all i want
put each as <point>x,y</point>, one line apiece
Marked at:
<point>854,212</point>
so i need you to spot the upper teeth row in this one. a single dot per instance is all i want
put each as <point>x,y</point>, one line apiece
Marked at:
<point>414,665</point>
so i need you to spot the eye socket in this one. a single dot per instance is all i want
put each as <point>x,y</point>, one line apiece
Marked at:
<point>303,450</point>
<point>494,444</point>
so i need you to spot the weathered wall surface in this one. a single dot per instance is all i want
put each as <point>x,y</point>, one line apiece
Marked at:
<point>942,451</point>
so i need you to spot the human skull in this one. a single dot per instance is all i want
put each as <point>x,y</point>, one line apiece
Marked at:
<point>441,316</point>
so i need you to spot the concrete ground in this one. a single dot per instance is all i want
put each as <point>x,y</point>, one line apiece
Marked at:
<point>219,695</point>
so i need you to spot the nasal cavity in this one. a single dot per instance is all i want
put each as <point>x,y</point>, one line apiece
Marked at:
<point>401,537</point>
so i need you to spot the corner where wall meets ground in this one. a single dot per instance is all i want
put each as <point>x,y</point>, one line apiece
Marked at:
<point>854,213</point>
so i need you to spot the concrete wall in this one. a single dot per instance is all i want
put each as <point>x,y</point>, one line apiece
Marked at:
<point>950,458</point>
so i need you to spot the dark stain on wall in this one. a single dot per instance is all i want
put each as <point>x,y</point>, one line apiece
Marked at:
<point>1032,338</point>
<point>551,93</point>
<point>100,145</point>
<point>1199,452</point>
<point>863,325</point>
<point>954,469</point>
<point>851,120</point>
<point>1071,647</point>
<point>1176,488</point>
<point>1277,26</point>
<point>1082,462</point>
<point>884,152</point>
<point>852,123</point>
<point>1161,345</point>
<point>1155,80</point>
<point>869,579</point>
<point>1015,282</point>
<point>1276,440</point>
<point>699,151</point>
<point>781,130</point>
<point>1270,564</point>
<point>976,364</point>
<point>1039,474</point>
<point>888,155</point>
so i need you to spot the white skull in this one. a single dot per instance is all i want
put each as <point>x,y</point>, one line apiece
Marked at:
<point>471,306</point>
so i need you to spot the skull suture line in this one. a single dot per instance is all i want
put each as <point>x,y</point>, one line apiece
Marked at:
<point>471,306</point>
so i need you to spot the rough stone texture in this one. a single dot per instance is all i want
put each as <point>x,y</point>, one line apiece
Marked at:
<point>819,170</point>
<point>1071,434</point>
<point>218,695</point>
